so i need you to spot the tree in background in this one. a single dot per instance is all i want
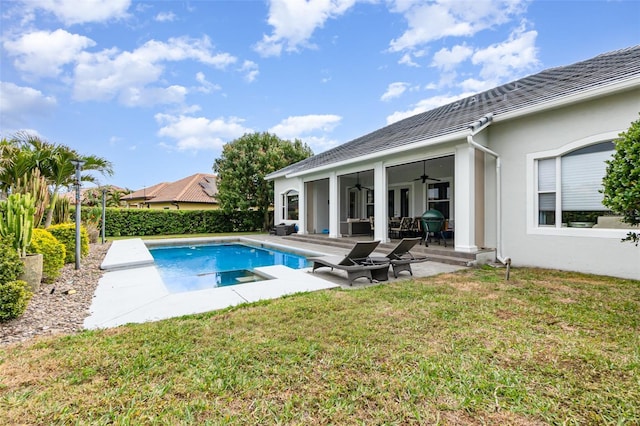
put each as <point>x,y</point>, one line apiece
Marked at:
<point>244,164</point>
<point>622,181</point>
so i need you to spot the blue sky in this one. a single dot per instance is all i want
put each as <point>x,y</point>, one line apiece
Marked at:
<point>158,87</point>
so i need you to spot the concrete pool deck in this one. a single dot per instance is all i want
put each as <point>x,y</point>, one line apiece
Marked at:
<point>132,291</point>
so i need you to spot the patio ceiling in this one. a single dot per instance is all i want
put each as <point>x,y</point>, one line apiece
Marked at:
<point>439,168</point>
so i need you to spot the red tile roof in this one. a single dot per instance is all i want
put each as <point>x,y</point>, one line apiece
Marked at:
<point>198,188</point>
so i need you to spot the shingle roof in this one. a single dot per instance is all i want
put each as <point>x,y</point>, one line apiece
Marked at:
<point>197,188</point>
<point>537,89</point>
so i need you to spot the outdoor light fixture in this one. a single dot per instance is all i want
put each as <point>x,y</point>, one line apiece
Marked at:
<point>104,206</point>
<point>77,163</point>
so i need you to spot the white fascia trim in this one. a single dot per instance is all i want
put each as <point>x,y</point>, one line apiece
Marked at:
<point>462,135</point>
<point>609,89</point>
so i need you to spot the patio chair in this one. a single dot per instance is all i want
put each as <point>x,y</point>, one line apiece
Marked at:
<point>400,257</point>
<point>402,228</point>
<point>356,263</point>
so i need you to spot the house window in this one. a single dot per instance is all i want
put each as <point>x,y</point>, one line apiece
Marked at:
<point>569,186</point>
<point>290,205</point>
<point>547,191</point>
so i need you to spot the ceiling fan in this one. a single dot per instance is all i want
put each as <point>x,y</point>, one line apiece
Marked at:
<point>357,185</point>
<point>424,176</point>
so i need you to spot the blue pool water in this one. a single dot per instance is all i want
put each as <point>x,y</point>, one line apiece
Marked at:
<point>188,268</point>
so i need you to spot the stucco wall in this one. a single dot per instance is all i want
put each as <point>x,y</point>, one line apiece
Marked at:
<point>596,251</point>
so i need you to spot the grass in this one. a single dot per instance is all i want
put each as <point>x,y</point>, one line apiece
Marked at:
<point>545,347</point>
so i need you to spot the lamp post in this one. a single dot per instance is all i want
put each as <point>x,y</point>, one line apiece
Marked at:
<point>104,214</point>
<point>77,163</point>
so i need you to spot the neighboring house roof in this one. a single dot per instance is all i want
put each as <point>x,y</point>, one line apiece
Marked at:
<point>198,188</point>
<point>146,193</point>
<point>540,89</point>
<point>70,194</point>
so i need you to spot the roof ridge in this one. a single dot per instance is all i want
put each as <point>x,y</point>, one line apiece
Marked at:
<point>193,180</point>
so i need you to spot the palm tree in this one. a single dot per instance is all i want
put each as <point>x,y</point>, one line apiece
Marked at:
<point>25,152</point>
<point>60,172</point>
<point>14,163</point>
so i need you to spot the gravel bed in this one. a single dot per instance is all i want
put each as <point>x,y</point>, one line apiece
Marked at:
<point>61,307</point>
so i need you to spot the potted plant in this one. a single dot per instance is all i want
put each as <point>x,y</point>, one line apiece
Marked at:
<point>16,224</point>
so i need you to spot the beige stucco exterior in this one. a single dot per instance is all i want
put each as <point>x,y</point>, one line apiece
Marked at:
<point>492,207</point>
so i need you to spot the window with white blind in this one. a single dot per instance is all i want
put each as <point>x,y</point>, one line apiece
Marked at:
<point>290,205</point>
<point>568,186</point>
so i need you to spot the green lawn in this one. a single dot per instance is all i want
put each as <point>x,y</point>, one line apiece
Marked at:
<point>464,348</point>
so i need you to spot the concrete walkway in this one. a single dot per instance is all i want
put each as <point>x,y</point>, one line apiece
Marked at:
<point>132,290</point>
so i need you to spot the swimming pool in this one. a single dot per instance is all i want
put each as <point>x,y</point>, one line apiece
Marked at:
<point>198,267</point>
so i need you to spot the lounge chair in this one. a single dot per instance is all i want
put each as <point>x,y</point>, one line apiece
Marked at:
<point>400,257</point>
<point>357,263</point>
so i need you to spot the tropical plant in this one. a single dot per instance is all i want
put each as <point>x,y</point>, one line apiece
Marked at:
<point>32,182</point>
<point>61,211</point>
<point>25,152</point>
<point>62,172</point>
<point>16,220</point>
<point>53,253</point>
<point>244,164</point>
<point>622,180</point>
<point>66,234</point>
<point>14,299</point>
<point>10,264</point>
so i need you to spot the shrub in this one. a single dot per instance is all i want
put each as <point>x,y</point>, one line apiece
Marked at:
<point>66,234</point>
<point>164,222</point>
<point>622,181</point>
<point>53,253</point>
<point>14,298</point>
<point>10,264</point>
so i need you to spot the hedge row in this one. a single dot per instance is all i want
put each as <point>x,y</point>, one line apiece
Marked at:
<point>140,222</point>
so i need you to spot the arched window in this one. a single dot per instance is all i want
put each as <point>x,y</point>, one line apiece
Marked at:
<point>569,186</point>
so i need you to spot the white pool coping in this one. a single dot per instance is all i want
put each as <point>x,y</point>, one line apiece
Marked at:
<point>132,291</point>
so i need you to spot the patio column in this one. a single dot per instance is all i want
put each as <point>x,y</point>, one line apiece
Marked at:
<point>465,200</point>
<point>380,200</point>
<point>334,206</point>
<point>302,207</point>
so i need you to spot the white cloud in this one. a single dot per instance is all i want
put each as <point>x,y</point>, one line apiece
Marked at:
<point>77,12</point>
<point>394,90</point>
<point>205,85</point>
<point>319,144</point>
<point>44,53</point>
<point>19,102</point>
<point>429,21</point>
<point>126,75</point>
<point>148,96</point>
<point>250,69</point>
<point>165,17</point>
<point>407,59</point>
<point>448,59</point>
<point>200,133</point>
<point>297,126</point>
<point>294,22</point>
<point>500,61</point>
<point>474,85</point>
<point>425,105</point>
